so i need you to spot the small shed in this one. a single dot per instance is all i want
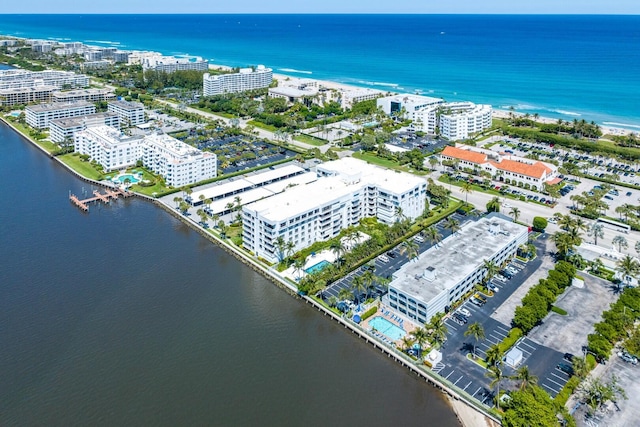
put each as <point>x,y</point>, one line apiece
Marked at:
<point>514,357</point>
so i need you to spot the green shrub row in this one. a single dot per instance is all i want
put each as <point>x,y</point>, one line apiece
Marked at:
<point>540,298</point>
<point>514,335</point>
<point>369,313</point>
<point>615,323</point>
<point>568,389</point>
<point>558,310</point>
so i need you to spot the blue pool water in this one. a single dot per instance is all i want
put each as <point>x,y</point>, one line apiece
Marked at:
<point>387,328</point>
<point>122,178</point>
<point>317,267</point>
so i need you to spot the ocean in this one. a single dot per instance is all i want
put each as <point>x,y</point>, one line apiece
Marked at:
<point>126,317</point>
<point>560,66</point>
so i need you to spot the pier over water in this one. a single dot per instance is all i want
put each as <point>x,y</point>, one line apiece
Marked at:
<point>109,194</point>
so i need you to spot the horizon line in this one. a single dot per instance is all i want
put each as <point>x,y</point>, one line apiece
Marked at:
<point>331,13</point>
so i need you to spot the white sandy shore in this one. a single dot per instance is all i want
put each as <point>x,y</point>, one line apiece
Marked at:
<point>606,130</point>
<point>468,416</point>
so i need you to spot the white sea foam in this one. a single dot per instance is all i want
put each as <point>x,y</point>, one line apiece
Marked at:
<point>626,125</point>
<point>293,70</point>
<point>377,83</point>
<point>566,113</point>
<point>103,42</point>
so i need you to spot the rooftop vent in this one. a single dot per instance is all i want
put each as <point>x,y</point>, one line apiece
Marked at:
<point>494,228</point>
<point>429,274</point>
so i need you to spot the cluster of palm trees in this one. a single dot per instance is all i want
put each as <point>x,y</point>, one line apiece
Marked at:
<point>630,214</point>
<point>434,332</point>
<point>571,236</point>
<point>591,204</point>
<point>362,286</point>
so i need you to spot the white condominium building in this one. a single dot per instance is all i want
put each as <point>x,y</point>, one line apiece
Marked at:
<point>454,120</point>
<point>180,164</point>
<point>170,64</point>
<point>18,78</point>
<point>109,147</point>
<point>459,120</point>
<point>26,95</point>
<point>246,79</point>
<point>347,191</point>
<point>349,97</point>
<point>91,95</point>
<point>130,113</point>
<point>39,116</point>
<point>62,130</point>
<point>441,275</point>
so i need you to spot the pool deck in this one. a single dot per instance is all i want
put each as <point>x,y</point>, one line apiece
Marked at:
<point>407,326</point>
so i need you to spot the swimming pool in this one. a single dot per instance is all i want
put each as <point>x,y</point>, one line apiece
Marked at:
<point>387,328</point>
<point>317,267</point>
<point>122,178</point>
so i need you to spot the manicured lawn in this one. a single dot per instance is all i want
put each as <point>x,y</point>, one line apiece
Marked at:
<point>86,169</point>
<point>311,140</point>
<point>261,125</point>
<point>47,145</point>
<point>373,159</point>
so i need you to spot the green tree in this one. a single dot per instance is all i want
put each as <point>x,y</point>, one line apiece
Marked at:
<point>515,213</point>
<point>494,355</point>
<point>628,267</point>
<point>531,407</point>
<point>620,242</point>
<point>466,188</point>
<point>432,234</point>
<point>452,224</point>
<point>495,374</point>
<point>494,204</point>
<point>525,377</point>
<point>597,232</point>
<point>410,248</point>
<point>539,223</point>
<point>475,331</point>
<point>280,246</point>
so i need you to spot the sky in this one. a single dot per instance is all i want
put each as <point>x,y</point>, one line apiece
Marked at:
<point>327,6</point>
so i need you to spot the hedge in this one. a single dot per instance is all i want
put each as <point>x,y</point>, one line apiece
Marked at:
<point>566,392</point>
<point>369,313</point>
<point>514,335</point>
<point>558,310</point>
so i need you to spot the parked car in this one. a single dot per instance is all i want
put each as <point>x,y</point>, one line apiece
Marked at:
<point>628,193</point>
<point>391,254</point>
<point>628,358</point>
<point>477,302</point>
<point>567,369</point>
<point>568,357</point>
<point>460,317</point>
<point>383,258</point>
<point>464,312</point>
<point>493,287</point>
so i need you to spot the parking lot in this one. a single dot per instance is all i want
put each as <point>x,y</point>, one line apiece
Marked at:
<point>623,412</point>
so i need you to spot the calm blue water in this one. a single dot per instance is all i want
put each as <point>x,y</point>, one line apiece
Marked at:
<point>126,317</point>
<point>387,328</point>
<point>583,67</point>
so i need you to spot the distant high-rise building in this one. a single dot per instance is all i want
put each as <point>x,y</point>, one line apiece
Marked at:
<point>246,79</point>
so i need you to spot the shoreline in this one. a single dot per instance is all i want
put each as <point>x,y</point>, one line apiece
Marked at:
<point>467,411</point>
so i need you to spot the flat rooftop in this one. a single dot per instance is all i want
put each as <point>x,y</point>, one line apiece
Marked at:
<point>280,186</point>
<point>54,106</point>
<point>127,105</point>
<point>73,122</point>
<point>273,174</point>
<point>455,258</point>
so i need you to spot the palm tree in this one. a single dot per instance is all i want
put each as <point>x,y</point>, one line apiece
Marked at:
<point>280,246</point>
<point>433,235</point>
<point>452,224</point>
<point>494,205</point>
<point>621,242</point>
<point>298,265</point>
<point>289,247</point>
<point>368,278</point>
<point>439,331</point>
<point>597,232</point>
<point>410,247</point>
<point>515,212</point>
<point>580,367</point>
<point>399,214</point>
<point>526,378</point>
<point>494,355</point>
<point>495,374</point>
<point>344,294</point>
<point>491,268</point>
<point>358,287</point>
<point>177,201</point>
<point>407,342</point>
<point>637,247</point>
<point>222,226</point>
<point>476,331</point>
<point>421,337</point>
<point>337,248</point>
<point>433,161</point>
<point>628,267</point>
<point>564,243</point>
<point>466,188</point>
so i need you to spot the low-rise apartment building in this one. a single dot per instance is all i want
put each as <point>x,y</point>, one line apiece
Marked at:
<point>503,167</point>
<point>39,116</point>
<point>109,147</point>
<point>346,191</point>
<point>91,95</point>
<point>242,81</point>
<point>26,95</point>
<point>130,113</point>
<point>63,130</point>
<point>441,275</point>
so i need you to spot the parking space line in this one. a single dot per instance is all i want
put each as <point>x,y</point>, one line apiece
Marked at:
<point>503,329</point>
<point>461,376</point>
<point>559,377</point>
<point>551,388</point>
<point>524,342</point>
<point>447,377</point>
<point>465,387</point>
<point>451,326</point>
<point>556,383</point>
<point>479,388</point>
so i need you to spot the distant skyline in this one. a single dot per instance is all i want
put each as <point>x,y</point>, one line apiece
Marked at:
<point>626,7</point>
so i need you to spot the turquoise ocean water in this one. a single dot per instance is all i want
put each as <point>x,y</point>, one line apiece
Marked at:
<point>583,67</point>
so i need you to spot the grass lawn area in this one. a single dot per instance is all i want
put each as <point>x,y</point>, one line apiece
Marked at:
<point>216,113</point>
<point>24,129</point>
<point>85,169</point>
<point>477,361</point>
<point>261,125</point>
<point>474,187</point>
<point>373,159</point>
<point>311,140</point>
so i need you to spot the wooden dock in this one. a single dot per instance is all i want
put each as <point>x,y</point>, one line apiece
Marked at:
<point>105,198</point>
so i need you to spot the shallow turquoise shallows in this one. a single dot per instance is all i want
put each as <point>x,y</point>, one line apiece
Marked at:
<point>387,328</point>
<point>317,267</point>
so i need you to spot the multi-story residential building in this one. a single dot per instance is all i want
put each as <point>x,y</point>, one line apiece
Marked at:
<point>26,95</point>
<point>347,190</point>
<point>39,116</point>
<point>91,95</point>
<point>246,79</point>
<point>349,97</point>
<point>130,113</point>
<point>453,120</point>
<point>459,120</point>
<point>63,130</point>
<point>18,78</point>
<point>109,147</point>
<point>121,56</point>
<point>503,167</point>
<point>180,164</point>
<point>445,272</point>
<point>170,64</point>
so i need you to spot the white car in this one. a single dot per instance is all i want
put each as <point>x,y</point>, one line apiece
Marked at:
<point>464,312</point>
<point>383,258</point>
